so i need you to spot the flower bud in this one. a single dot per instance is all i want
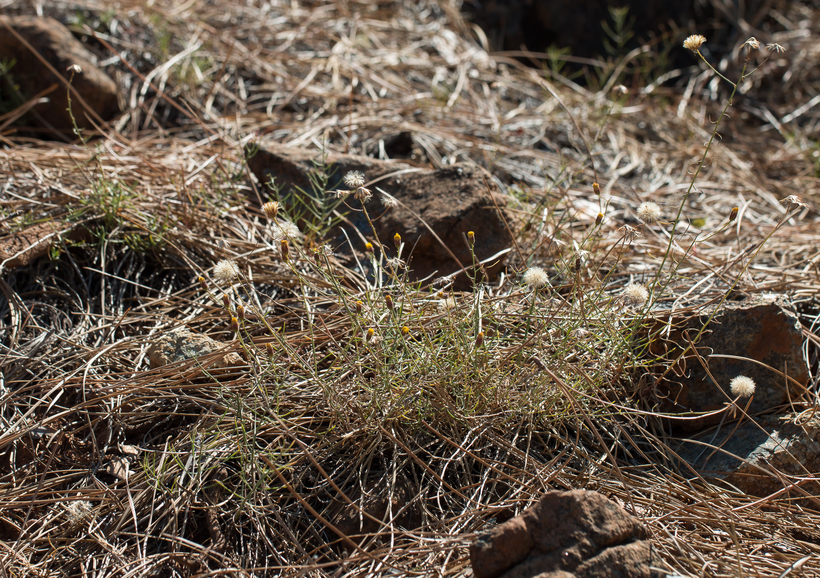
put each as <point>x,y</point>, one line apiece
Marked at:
<point>202,283</point>
<point>479,339</point>
<point>405,330</point>
<point>359,306</point>
<point>370,334</point>
<point>234,324</point>
<point>471,238</point>
<point>599,219</point>
<point>368,247</point>
<point>226,301</point>
<point>269,348</point>
<point>596,189</point>
<point>284,249</point>
<point>240,312</point>
<point>389,300</point>
<point>733,214</point>
<point>397,240</point>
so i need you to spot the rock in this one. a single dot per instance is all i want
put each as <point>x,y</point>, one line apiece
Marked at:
<point>24,246</point>
<point>576,534</point>
<point>183,344</point>
<point>451,201</point>
<point>60,49</point>
<point>751,453</point>
<point>763,329</point>
<point>375,501</point>
<point>574,24</point>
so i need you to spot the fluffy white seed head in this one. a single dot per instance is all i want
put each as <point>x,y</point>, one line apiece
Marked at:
<point>226,270</point>
<point>649,212</point>
<point>389,201</point>
<point>635,294</point>
<point>694,42</point>
<point>742,386</point>
<point>354,179</point>
<point>535,277</point>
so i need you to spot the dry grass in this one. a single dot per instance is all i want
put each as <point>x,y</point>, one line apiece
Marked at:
<point>241,472</point>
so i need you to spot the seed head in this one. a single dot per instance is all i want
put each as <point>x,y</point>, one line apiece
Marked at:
<point>271,209</point>
<point>74,69</point>
<point>535,277</point>
<point>649,212</point>
<point>354,179</point>
<point>284,250</point>
<point>389,201</point>
<point>775,47</point>
<point>635,294</point>
<point>226,270</point>
<point>742,386</point>
<point>751,44</point>
<point>694,42</point>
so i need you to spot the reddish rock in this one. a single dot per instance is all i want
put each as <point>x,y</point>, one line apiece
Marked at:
<point>451,201</point>
<point>60,49</point>
<point>576,534</point>
<point>762,329</point>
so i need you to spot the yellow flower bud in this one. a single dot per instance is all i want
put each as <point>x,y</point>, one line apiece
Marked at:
<point>732,216</point>
<point>471,237</point>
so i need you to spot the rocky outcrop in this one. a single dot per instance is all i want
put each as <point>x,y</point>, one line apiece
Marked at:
<point>436,209</point>
<point>744,338</point>
<point>576,534</point>
<point>759,457</point>
<point>29,43</point>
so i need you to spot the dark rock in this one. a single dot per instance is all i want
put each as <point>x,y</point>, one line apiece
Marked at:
<point>576,24</point>
<point>53,41</point>
<point>451,201</point>
<point>747,456</point>
<point>763,329</point>
<point>565,535</point>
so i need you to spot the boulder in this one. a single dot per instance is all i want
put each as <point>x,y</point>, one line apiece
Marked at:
<point>759,457</point>
<point>451,201</point>
<point>758,329</point>
<point>573,24</point>
<point>22,38</point>
<point>184,344</point>
<point>575,534</point>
